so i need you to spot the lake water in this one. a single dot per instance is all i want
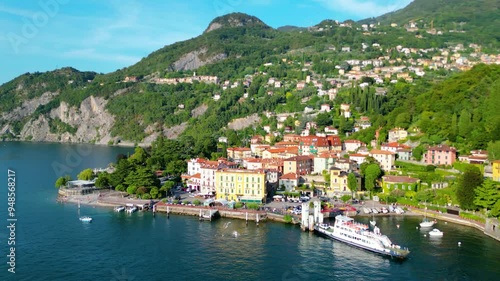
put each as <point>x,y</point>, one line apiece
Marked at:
<point>52,244</point>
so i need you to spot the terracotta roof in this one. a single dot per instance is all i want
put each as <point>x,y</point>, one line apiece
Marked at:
<point>239,148</point>
<point>379,151</point>
<point>442,147</point>
<point>400,179</point>
<point>314,140</point>
<point>358,155</point>
<point>396,144</point>
<point>299,158</point>
<point>289,176</point>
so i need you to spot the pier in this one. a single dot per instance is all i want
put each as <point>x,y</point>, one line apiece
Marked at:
<point>208,215</point>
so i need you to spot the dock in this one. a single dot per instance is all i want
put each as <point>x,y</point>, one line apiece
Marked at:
<point>208,215</point>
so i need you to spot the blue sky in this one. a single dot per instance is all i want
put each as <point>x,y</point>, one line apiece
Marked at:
<point>103,36</point>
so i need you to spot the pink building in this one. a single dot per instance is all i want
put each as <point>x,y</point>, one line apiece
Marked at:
<point>440,155</point>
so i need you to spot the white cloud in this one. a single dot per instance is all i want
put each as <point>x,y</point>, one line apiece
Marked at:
<point>363,8</point>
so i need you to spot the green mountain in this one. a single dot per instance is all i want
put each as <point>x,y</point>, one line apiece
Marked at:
<point>135,104</point>
<point>474,21</point>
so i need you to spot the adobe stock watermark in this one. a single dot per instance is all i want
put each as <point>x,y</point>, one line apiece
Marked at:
<point>73,159</point>
<point>32,24</point>
<point>223,7</point>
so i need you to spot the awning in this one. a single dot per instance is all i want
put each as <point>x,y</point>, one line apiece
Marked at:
<point>251,200</point>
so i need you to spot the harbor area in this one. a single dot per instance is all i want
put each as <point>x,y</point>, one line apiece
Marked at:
<point>285,212</point>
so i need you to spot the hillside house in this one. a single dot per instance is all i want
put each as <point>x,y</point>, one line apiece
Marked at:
<point>440,155</point>
<point>404,183</point>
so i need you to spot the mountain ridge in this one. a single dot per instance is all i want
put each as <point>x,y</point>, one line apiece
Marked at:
<point>233,47</point>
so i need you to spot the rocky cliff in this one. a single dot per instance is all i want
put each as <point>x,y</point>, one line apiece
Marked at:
<point>91,120</point>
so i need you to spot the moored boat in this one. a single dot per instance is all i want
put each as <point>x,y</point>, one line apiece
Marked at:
<point>86,219</point>
<point>131,209</point>
<point>356,234</point>
<point>119,208</point>
<point>427,223</point>
<point>436,233</point>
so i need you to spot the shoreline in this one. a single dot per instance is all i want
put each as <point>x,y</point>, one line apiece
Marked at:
<point>113,199</point>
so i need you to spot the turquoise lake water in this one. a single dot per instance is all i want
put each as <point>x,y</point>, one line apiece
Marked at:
<point>52,244</point>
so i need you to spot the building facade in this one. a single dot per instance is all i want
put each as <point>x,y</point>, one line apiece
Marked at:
<point>440,155</point>
<point>404,183</point>
<point>241,185</point>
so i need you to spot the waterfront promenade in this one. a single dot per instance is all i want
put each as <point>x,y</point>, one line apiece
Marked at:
<point>271,211</point>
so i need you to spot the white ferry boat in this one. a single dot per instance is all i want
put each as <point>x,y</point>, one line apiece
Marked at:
<point>356,234</point>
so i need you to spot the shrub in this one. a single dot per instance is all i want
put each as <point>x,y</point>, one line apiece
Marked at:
<point>288,218</point>
<point>238,205</point>
<point>253,206</point>
<point>345,198</point>
<point>146,196</point>
<point>197,202</point>
<point>472,217</point>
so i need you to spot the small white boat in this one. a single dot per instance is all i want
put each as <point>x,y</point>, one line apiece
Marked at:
<point>86,219</point>
<point>384,210</point>
<point>119,208</point>
<point>130,210</point>
<point>373,223</point>
<point>367,210</point>
<point>427,223</point>
<point>375,210</point>
<point>398,210</point>
<point>436,233</point>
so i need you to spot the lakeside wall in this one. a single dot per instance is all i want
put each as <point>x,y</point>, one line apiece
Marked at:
<point>491,228</point>
<point>223,212</point>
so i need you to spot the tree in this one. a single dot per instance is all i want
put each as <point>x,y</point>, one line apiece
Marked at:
<point>487,195</point>
<point>352,183</point>
<point>372,173</point>
<point>323,119</point>
<point>467,183</point>
<point>464,123</point>
<point>418,152</point>
<point>103,180</point>
<point>154,192</point>
<point>403,120</point>
<point>142,177</point>
<point>176,167</point>
<point>62,181</point>
<point>123,168</point>
<point>86,175</point>
<point>494,150</point>
<point>368,160</point>
<point>139,157</point>
<point>326,177</point>
<point>167,186</point>
<point>131,189</point>
<point>345,198</point>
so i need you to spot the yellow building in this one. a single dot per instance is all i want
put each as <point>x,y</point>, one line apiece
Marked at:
<point>241,185</point>
<point>339,184</point>
<point>496,170</point>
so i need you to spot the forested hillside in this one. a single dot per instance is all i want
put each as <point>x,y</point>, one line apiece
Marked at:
<point>259,69</point>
